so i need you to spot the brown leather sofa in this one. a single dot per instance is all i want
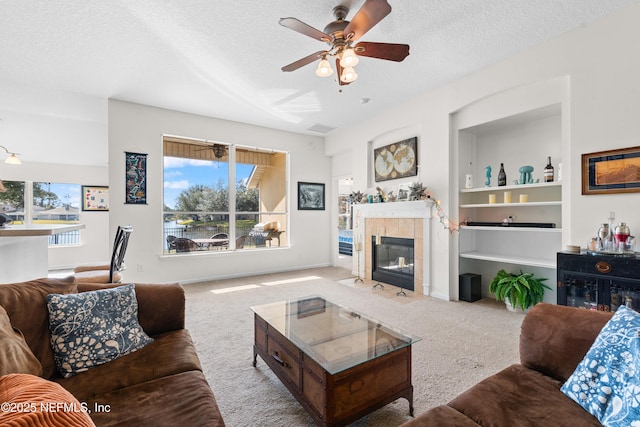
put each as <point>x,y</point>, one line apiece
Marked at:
<point>161,384</point>
<point>553,341</point>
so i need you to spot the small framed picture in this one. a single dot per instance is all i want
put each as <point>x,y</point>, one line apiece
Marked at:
<point>403,191</point>
<point>95,198</point>
<point>310,196</point>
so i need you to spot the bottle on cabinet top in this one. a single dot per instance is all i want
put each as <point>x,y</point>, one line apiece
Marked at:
<point>548,171</point>
<point>502,176</point>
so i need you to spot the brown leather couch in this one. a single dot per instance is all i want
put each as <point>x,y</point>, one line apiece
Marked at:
<point>553,341</point>
<point>161,384</point>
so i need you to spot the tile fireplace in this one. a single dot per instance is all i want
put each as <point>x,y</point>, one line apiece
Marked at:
<point>404,220</point>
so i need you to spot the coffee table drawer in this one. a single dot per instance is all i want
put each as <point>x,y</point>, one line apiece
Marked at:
<point>285,362</point>
<point>357,388</point>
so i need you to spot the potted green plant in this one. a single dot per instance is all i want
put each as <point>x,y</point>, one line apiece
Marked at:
<point>518,290</point>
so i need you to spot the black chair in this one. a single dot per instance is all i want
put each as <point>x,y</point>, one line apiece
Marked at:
<point>240,242</point>
<point>220,244</point>
<point>171,242</point>
<point>111,273</point>
<point>185,245</point>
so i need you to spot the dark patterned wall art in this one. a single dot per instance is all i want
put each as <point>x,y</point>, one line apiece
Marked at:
<point>136,179</point>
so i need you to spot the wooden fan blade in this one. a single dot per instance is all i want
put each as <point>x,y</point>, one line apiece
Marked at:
<point>389,51</point>
<point>303,61</point>
<point>371,12</point>
<point>299,26</point>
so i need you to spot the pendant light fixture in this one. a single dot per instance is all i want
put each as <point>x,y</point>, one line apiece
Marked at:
<point>13,157</point>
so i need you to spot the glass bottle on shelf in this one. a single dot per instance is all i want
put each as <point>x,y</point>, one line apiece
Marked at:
<point>571,301</point>
<point>587,296</point>
<point>548,171</point>
<point>628,301</point>
<point>502,176</point>
<point>609,244</point>
<point>615,298</point>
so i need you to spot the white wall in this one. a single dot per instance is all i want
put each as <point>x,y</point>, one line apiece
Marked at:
<point>95,246</point>
<point>604,98</point>
<point>138,128</point>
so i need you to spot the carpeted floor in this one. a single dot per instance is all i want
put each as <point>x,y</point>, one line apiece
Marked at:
<point>461,344</point>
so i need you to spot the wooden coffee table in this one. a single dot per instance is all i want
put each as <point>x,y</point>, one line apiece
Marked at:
<point>339,364</point>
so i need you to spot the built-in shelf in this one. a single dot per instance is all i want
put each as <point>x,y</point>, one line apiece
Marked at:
<point>512,187</point>
<point>511,205</point>
<point>534,262</point>
<point>489,138</point>
<point>516,229</point>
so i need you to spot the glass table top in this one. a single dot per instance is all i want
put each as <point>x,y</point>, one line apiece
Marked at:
<point>336,337</point>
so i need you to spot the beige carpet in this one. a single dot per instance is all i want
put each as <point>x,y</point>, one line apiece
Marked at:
<point>461,344</point>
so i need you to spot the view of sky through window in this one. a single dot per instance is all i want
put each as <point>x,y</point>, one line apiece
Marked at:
<point>67,194</point>
<point>180,174</point>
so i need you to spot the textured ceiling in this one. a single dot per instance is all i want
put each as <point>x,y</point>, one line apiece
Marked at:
<point>223,58</point>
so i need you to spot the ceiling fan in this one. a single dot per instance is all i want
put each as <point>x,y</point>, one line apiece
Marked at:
<point>340,36</point>
<point>218,150</point>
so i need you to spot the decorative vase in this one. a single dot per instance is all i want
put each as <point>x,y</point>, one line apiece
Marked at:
<point>468,181</point>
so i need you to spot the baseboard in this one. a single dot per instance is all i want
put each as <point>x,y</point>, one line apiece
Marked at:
<point>444,297</point>
<point>251,273</point>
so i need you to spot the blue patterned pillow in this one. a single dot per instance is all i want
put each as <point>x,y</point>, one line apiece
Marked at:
<point>92,328</point>
<point>607,381</point>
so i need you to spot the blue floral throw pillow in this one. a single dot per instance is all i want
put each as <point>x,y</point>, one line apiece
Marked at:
<point>92,328</point>
<point>607,381</point>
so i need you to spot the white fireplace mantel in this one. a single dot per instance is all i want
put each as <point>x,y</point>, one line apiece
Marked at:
<point>420,209</point>
<point>413,209</point>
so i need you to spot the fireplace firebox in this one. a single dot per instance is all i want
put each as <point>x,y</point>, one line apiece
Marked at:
<point>392,261</point>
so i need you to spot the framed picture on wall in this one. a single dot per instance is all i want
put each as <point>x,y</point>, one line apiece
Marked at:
<point>612,171</point>
<point>95,198</point>
<point>310,196</point>
<point>396,160</point>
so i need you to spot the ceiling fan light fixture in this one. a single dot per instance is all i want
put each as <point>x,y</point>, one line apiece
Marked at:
<point>219,151</point>
<point>324,68</point>
<point>349,58</point>
<point>348,75</point>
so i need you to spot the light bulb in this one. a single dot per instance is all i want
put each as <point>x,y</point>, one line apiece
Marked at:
<point>348,75</point>
<point>349,58</point>
<point>13,160</point>
<point>324,69</point>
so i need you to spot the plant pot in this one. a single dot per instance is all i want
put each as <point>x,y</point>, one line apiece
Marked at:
<point>513,309</point>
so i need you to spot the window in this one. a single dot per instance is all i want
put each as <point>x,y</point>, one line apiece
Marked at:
<point>49,203</point>
<point>203,212</point>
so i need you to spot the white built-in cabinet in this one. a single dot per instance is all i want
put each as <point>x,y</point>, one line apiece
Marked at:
<point>524,138</point>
